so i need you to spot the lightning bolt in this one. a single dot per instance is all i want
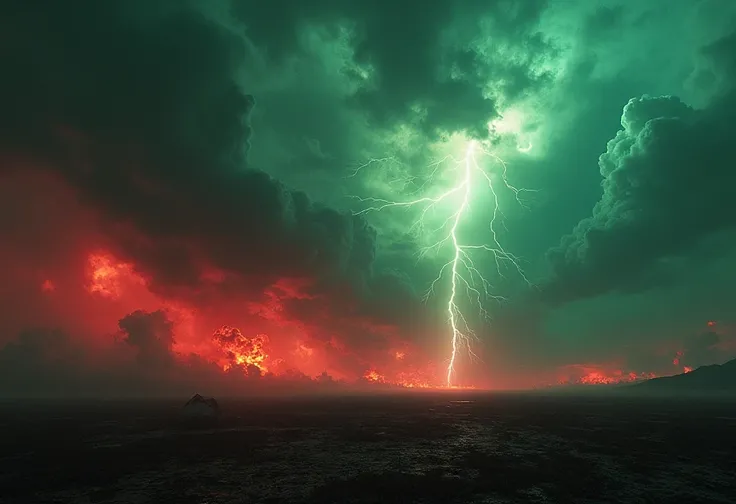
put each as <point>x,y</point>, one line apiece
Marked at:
<point>465,277</point>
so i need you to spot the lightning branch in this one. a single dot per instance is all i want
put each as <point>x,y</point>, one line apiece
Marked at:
<point>465,278</point>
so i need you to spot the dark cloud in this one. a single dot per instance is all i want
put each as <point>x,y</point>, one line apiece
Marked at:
<point>668,176</point>
<point>604,21</point>
<point>145,110</point>
<point>182,126</point>
<point>423,60</point>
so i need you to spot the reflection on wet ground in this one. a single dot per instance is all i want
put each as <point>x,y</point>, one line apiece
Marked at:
<point>401,449</point>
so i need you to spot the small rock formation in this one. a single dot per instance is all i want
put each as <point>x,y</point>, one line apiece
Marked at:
<point>200,408</point>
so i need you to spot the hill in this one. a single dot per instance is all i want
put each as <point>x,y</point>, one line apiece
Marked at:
<point>716,379</point>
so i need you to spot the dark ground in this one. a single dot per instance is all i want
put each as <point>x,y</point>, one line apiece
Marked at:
<point>461,448</point>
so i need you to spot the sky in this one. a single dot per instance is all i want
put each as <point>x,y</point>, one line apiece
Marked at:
<point>242,195</point>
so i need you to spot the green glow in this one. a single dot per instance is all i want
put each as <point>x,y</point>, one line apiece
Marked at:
<point>465,277</point>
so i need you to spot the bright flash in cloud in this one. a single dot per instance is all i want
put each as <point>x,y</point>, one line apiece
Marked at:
<point>510,125</point>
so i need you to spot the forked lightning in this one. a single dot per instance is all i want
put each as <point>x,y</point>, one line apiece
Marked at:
<point>465,277</point>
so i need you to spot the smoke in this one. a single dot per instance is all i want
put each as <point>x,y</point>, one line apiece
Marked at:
<point>151,335</point>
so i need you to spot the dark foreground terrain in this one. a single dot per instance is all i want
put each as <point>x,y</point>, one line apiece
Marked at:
<point>461,448</point>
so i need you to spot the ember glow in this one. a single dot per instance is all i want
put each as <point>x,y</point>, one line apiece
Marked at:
<point>373,376</point>
<point>678,356</point>
<point>420,378</point>
<point>241,350</point>
<point>618,376</point>
<point>592,374</point>
<point>250,352</point>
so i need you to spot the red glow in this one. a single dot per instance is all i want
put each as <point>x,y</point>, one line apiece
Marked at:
<point>106,275</point>
<point>592,374</point>
<point>263,343</point>
<point>251,343</point>
<point>617,376</point>
<point>87,288</point>
<point>407,375</point>
<point>220,319</point>
<point>678,356</point>
<point>414,380</point>
<point>303,351</point>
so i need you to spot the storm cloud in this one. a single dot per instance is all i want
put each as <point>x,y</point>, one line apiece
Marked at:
<point>154,133</point>
<point>418,62</point>
<point>207,154</point>
<point>667,179</point>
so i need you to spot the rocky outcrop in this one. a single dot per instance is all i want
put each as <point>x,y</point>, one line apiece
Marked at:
<point>200,408</point>
<point>714,379</point>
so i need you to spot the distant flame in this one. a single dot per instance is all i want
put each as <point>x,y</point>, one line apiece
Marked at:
<point>597,375</point>
<point>373,376</point>
<point>413,380</point>
<point>48,286</point>
<point>598,378</point>
<point>242,350</point>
